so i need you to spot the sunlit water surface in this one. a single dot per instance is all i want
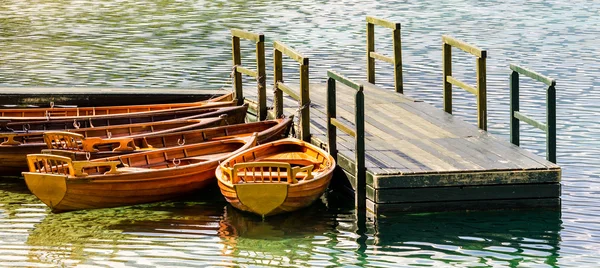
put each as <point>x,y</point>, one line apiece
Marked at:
<point>186,44</point>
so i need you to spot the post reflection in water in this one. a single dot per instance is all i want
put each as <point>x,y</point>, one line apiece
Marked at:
<point>507,238</point>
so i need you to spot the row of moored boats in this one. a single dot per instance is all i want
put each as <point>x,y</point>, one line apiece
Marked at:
<point>75,158</point>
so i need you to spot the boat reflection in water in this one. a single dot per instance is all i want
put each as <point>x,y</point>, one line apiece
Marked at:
<point>201,231</point>
<point>204,231</point>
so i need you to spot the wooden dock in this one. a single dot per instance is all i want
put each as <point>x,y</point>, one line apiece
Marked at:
<point>420,158</point>
<point>400,154</point>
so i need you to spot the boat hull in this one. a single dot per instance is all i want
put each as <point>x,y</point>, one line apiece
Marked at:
<point>140,178</point>
<point>57,113</point>
<point>234,114</point>
<point>281,190</point>
<point>267,131</point>
<point>13,158</point>
<point>62,194</point>
<point>296,197</point>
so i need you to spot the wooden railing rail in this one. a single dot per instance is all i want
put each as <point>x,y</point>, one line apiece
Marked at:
<point>396,59</point>
<point>516,115</point>
<point>259,74</point>
<point>358,132</point>
<point>303,97</point>
<point>480,90</point>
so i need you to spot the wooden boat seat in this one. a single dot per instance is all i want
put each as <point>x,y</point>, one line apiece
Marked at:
<point>145,149</point>
<point>78,167</point>
<point>273,175</point>
<point>10,139</point>
<point>299,162</point>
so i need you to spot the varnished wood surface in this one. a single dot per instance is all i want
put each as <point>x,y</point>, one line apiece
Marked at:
<point>300,193</point>
<point>140,177</point>
<point>234,114</point>
<point>267,131</point>
<point>57,113</point>
<point>13,157</point>
<point>407,137</point>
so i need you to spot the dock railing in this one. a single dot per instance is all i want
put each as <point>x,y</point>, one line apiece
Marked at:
<point>516,115</point>
<point>279,87</point>
<point>259,74</point>
<point>480,91</point>
<point>358,132</point>
<point>396,60</point>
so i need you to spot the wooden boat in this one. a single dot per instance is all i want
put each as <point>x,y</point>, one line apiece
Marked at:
<point>145,177</point>
<point>235,114</point>
<point>79,147</point>
<point>275,177</point>
<point>52,113</point>
<point>16,146</point>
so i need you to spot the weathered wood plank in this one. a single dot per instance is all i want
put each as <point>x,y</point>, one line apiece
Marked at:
<point>343,127</point>
<point>462,84</point>
<point>381,57</point>
<point>290,52</point>
<point>248,35</point>
<point>288,90</point>
<point>534,75</point>
<point>531,121</point>
<point>466,193</point>
<point>475,51</point>
<point>384,23</point>
<point>466,178</point>
<point>344,80</point>
<point>246,71</point>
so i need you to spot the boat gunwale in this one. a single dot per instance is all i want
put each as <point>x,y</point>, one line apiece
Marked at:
<point>247,142</point>
<point>219,173</point>
<point>227,97</point>
<point>35,119</point>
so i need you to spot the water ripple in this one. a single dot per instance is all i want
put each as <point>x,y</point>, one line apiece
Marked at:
<point>186,44</point>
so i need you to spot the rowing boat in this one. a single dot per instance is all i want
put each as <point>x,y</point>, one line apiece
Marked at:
<point>53,113</point>
<point>17,145</point>
<point>79,147</point>
<point>151,176</point>
<point>275,177</point>
<point>235,114</point>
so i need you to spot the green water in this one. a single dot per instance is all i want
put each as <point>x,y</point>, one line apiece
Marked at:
<point>186,44</point>
<point>203,230</point>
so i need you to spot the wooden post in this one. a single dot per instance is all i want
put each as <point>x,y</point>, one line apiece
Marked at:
<point>370,48</point>
<point>447,71</point>
<point>261,78</point>
<point>359,153</point>
<point>514,107</point>
<point>481,93</point>
<point>331,113</point>
<point>398,80</point>
<point>304,101</point>
<point>237,76</point>
<point>551,124</point>
<point>278,77</point>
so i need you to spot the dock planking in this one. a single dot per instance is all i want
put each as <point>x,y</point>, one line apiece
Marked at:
<point>420,158</point>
